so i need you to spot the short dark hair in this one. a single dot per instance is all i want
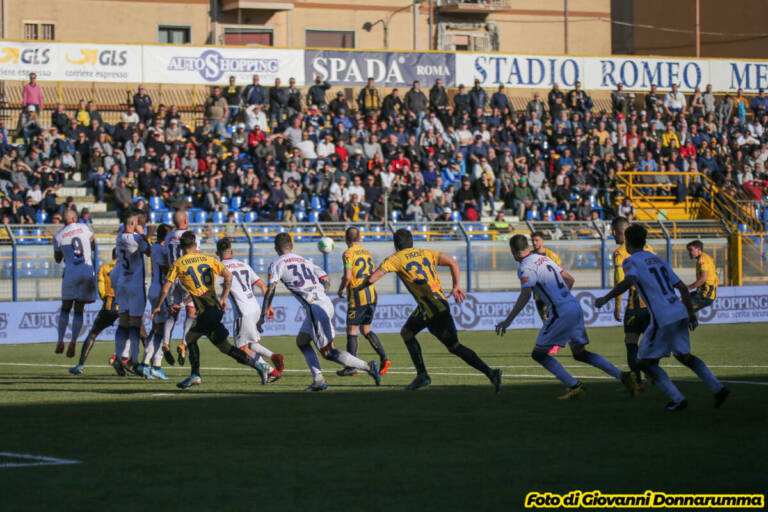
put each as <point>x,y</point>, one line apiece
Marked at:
<point>403,239</point>
<point>635,236</point>
<point>188,240</point>
<point>618,221</point>
<point>283,241</point>
<point>352,235</point>
<point>223,245</point>
<point>162,231</point>
<point>539,234</point>
<point>697,244</point>
<point>518,243</point>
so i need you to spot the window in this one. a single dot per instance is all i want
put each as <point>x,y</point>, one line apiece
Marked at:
<point>30,30</point>
<point>174,34</point>
<point>330,38</point>
<point>247,36</point>
<point>39,31</point>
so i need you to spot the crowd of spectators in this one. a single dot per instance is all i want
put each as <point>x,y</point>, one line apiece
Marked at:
<point>287,155</point>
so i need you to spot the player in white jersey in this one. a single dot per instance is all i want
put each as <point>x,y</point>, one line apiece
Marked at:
<point>670,318</point>
<point>178,296</point>
<point>565,321</point>
<point>130,293</point>
<point>309,284</point>
<point>247,310</point>
<point>73,245</point>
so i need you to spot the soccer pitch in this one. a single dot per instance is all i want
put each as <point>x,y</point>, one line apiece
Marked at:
<point>232,444</point>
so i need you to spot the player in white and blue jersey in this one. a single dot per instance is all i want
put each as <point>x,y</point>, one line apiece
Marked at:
<point>565,321</point>
<point>670,319</point>
<point>309,284</point>
<point>73,245</point>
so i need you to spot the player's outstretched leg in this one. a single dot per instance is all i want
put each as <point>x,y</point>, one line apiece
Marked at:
<point>277,360</point>
<point>304,342</point>
<point>553,366</point>
<point>77,326</point>
<point>581,354</point>
<point>662,380</point>
<point>194,378</point>
<point>414,350</point>
<point>632,349</point>
<point>88,343</point>
<point>470,357</point>
<point>375,342</point>
<point>702,370</point>
<point>66,307</point>
<point>348,371</point>
<point>347,360</point>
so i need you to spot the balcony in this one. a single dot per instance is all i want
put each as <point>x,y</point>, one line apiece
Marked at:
<point>471,6</point>
<point>257,5</point>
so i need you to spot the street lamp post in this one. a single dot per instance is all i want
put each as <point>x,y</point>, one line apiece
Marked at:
<point>368,26</point>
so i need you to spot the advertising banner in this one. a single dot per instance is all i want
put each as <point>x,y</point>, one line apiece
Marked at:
<point>99,63</point>
<point>388,69</point>
<point>35,322</point>
<point>18,60</point>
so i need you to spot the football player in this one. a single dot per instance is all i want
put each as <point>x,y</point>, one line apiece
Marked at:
<point>706,282</point>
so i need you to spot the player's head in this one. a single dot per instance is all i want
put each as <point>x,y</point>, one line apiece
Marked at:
<point>162,232</point>
<point>403,239</point>
<point>618,226</point>
<point>180,219</point>
<point>518,244</point>
<point>131,220</point>
<point>352,236</point>
<point>635,236</point>
<point>695,249</point>
<point>188,242</point>
<point>537,238</point>
<point>224,248</point>
<point>70,216</point>
<point>283,243</point>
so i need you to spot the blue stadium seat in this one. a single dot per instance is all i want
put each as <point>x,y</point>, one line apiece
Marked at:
<point>237,216</point>
<point>378,233</point>
<point>251,217</point>
<point>456,216</point>
<point>297,234</point>
<point>235,203</point>
<point>266,234</point>
<point>314,216</point>
<point>155,217</point>
<point>394,215</point>
<point>168,217</point>
<point>41,217</point>
<point>27,269</point>
<point>301,215</point>
<point>218,217</point>
<point>189,199</point>
<point>315,203</point>
<point>156,203</point>
<point>532,215</point>
<point>201,217</point>
<point>421,233</point>
<point>7,270</point>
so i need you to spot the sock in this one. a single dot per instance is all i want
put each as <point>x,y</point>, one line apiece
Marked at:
<point>376,344</point>
<point>632,360</point>
<point>601,363</point>
<point>121,336</point>
<point>700,368</point>
<point>261,350</point>
<point>168,330</point>
<point>133,335</point>
<point>346,359</point>
<point>310,356</point>
<point>414,349</point>
<point>352,344</point>
<point>471,358</point>
<point>194,358</point>
<point>87,346</point>
<point>664,383</point>
<point>554,367</point>
<point>157,357</point>
<point>77,325</point>
<point>240,356</point>
<point>63,322</point>
<point>188,321</point>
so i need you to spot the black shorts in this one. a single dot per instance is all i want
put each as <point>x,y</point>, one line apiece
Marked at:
<point>208,323</point>
<point>105,318</point>
<point>637,320</point>
<point>700,302</point>
<point>361,315</point>
<point>441,325</point>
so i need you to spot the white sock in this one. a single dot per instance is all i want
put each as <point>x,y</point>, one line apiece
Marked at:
<point>310,356</point>
<point>346,359</point>
<point>188,321</point>
<point>168,330</point>
<point>260,349</point>
<point>603,364</point>
<point>665,383</point>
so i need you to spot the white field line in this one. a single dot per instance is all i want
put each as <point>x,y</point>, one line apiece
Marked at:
<point>39,460</point>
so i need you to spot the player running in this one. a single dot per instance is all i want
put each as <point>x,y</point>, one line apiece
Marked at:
<point>670,319</point>
<point>151,365</point>
<point>247,310</point>
<point>537,238</point>
<point>361,306</point>
<point>564,325</point>
<point>706,277</point>
<point>197,273</point>
<point>309,284</point>
<point>106,316</point>
<point>636,317</point>
<point>74,245</point>
<point>417,269</point>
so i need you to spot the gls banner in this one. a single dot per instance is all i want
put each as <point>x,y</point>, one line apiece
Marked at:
<point>388,69</point>
<point>214,65</point>
<point>35,322</point>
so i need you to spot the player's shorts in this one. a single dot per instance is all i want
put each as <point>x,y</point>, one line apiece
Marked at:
<point>636,321</point>
<point>106,316</point>
<point>131,298</point>
<point>660,342</point>
<point>700,302</point>
<point>79,283</point>
<point>565,325</point>
<point>319,322</point>
<point>245,330</point>
<point>441,325</point>
<point>208,323</point>
<point>361,315</point>
<point>163,315</point>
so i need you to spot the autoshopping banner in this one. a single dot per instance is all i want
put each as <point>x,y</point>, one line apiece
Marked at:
<point>388,69</point>
<point>35,322</point>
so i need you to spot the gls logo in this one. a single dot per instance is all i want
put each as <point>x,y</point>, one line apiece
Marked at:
<point>212,65</point>
<point>93,57</point>
<point>37,56</point>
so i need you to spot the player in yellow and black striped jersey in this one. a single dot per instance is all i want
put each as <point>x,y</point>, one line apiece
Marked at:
<point>417,269</point>
<point>636,318</point>
<point>197,274</point>
<point>106,316</point>
<point>361,304</point>
<point>707,281</point>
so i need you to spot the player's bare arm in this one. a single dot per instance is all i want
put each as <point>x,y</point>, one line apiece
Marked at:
<point>371,279</point>
<point>163,294</point>
<point>345,279</point>
<point>227,275</point>
<point>700,281</point>
<point>522,300</point>
<point>266,305</point>
<point>620,288</point>
<point>262,286</point>
<point>456,292</point>
<point>686,298</point>
<point>568,278</point>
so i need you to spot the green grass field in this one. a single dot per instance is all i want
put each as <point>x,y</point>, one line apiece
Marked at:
<point>234,445</point>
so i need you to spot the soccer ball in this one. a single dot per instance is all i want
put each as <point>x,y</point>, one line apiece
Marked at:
<point>325,245</point>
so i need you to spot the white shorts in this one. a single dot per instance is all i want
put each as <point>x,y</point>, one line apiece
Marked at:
<point>245,331</point>
<point>178,295</point>
<point>319,322</point>
<point>565,325</point>
<point>660,342</point>
<point>131,298</point>
<point>79,283</point>
<point>164,314</point>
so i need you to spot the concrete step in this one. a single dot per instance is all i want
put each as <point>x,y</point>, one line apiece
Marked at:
<point>92,206</point>
<point>73,191</point>
<point>74,183</point>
